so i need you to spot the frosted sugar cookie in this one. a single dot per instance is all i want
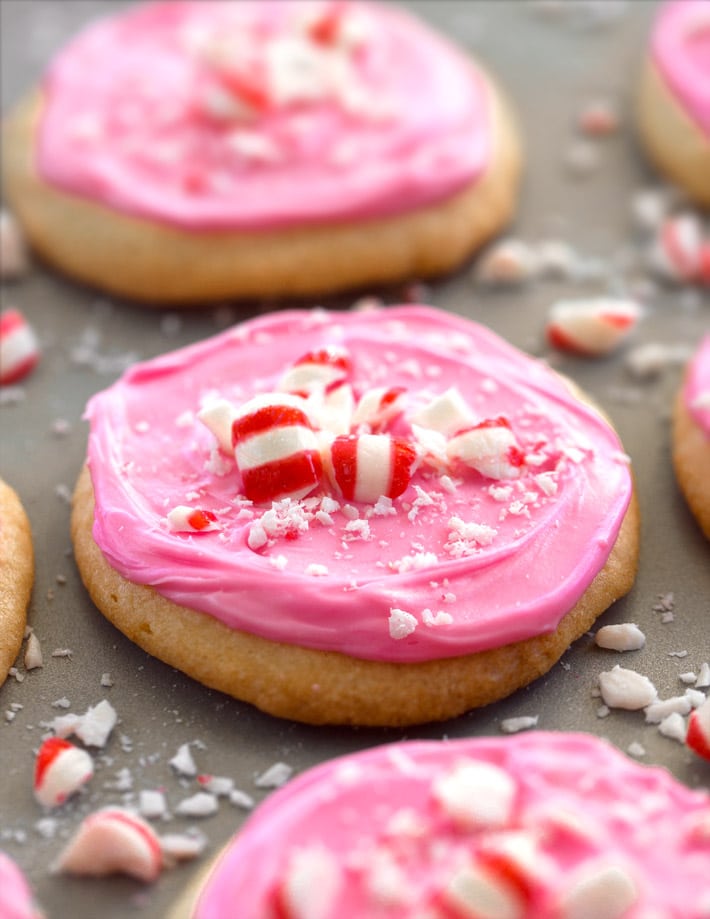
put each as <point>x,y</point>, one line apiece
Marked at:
<point>691,435</point>
<point>16,901</point>
<point>674,99</point>
<point>244,149</point>
<point>526,827</point>
<point>16,576</point>
<point>376,517</point>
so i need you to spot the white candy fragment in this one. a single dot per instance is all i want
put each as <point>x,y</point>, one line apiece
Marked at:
<point>508,262</point>
<point>33,653</point>
<point>311,884</point>
<point>649,207</point>
<point>217,785</point>
<point>656,712</point>
<point>602,892</point>
<point>377,407</point>
<point>476,794</point>
<point>591,327</point>
<point>677,250</point>
<point>626,636</point>
<point>698,734</point>
<point>218,418</point>
<point>703,680</point>
<point>332,408</point>
<point>201,804</point>
<point>275,776</point>
<point>447,413</point>
<point>490,448</point>
<point>92,728</point>
<point>673,726</point>
<point>183,763</point>
<point>520,723</point>
<point>622,688</point>
<point>182,847</point>
<point>13,248</point>
<point>401,623</point>
<point>112,841</point>
<point>479,894</point>
<point>19,348</point>
<point>151,804</point>
<point>183,519</point>
<point>316,370</point>
<point>60,770</point>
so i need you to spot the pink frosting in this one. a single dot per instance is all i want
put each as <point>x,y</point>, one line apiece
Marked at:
<point>137,116</point>
<point>681,49</point>
<point>544,535</point>
<point>579,803</point>
<point>697,386</point>
<point>15,896</point>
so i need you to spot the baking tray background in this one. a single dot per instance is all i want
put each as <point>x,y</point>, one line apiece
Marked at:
<point>550,65</point>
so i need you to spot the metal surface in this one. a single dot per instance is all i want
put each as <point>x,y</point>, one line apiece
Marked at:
<point>549,67</point>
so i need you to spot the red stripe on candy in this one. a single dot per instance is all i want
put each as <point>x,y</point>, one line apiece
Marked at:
<point>343,452</point>
<point>267,418</point>
<point>402,458</point>
<point>281,477</point>
<point>46,755</point>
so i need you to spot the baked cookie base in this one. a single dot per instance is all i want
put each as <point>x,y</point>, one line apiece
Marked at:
<point>691,460</point>
<point>674,142</point>
<point>16,576</point>
<point>326,687</point>
<point>163,265</point>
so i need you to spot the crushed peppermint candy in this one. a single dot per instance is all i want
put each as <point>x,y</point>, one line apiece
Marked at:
<point>401,623</point>
<point>275,776</point>
<point>622,688</point>
<point>519,723</point>
<point>626,636</point>
<point>201,804</point>
<point>183,762</point>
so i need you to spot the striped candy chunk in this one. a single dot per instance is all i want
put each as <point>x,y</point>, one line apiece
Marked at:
<point>218,418</point>
<point>276,448</point>
<point>676,250</point>
<point>377,407</point>
<point>60,770</point>
<point>478,891</point>
<point>316,369</point>
<point>19,348</point>
<point>363,467</point>
<point>490,448</point>
<point>183,519</point>
<point>332,408</point>
<point>591,327</point>
<point>113,841</point>
<point>698,736</point>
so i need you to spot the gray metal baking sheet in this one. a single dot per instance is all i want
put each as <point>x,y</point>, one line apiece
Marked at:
<point>551,59</point>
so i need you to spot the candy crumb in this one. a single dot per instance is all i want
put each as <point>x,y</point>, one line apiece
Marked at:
<point>275,776</point>
<point>626,636</point>
<point>201,804</point>
<point>627,689</point>
<point>519,723</point>
<point>183,763</point>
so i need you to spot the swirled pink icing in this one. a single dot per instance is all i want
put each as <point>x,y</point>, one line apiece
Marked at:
<point>462,562</point>
<point>230,115</point>
<point>16,900</point>
<point>697,386</point>
<point>388,842</point>
<point>680,46</point>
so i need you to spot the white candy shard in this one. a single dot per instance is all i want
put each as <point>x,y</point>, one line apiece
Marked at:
<point>676,253</point>
<point>182,847</point>
<point>311,884</point>
<point>703,680</point>
<point>151,804</point>
<point>217,785</point>
<point>656,712</point>
<point>60,770</point>
<point>447,413</point>
<point>622,688</point>
<point>602,892</point>
<point>183,519</point>
<point>476,794</point>
<point>673,726</point>
<point>92,728</point>
<point>508,262</point>
<point>520,723</point>
<point>218,418</point>
<point>201,804</point>
<point>626,636</point>
<point>591,327</point>
<point>275,776</point>
<point>112,841</point>
<point>490,448</point>
<point>316,370</point>
<point>33,653</point>
<point>13,248</point>
<point>476,893</point>
<point>183,763</point>
<point>19,348</point>
<point>377,407</point>
<point>401,623</point>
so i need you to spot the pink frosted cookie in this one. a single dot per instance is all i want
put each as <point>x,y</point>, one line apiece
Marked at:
<point>16,575</point>
<point>376,517</point>
<point>691,435</point>
<point>537,826</point>
<point>259,148</point>
<point>16,901</point>
<point>674,100</point>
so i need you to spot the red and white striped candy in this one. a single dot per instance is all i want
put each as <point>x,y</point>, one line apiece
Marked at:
<point>490,448</point>
<point>19,348</point>
<point>113,841</point>
<point>363,467</point>
<point>676,252</point>
<point>377,407</point>
<point>60,770</point>
<point>478,891</point>
<point>591,327</point>
<point>332,408</point>
<point>316,369</point>
<point>183,519</point>
<point>698,736</point>
<point>276,448</point>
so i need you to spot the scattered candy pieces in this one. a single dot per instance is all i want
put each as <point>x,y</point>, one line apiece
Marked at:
<point>446,414</point>
<point>19,348</point>
<point>591,327</point>
<point>60,770</point>
<point>316,370</point>
<point>275,776</point>
<point>377,407</point>
<point>113,841</point>
<point>184,519</point>
<point>606,892</point>
<point>92,728</point>
<point>183,763</point>
<point>201,804</point>
<point>33,653</point>
<point>626,636</point>
<point>476,794</point>
<point>679,252</point>
<point>506,263</point>
<point>490,448</point>
<point>181,847</point>
<point>622,688</point>
<point>698,734</point>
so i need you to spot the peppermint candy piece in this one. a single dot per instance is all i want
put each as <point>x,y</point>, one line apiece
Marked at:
<point>112,841</point>
<point>377,407</point>
<point>490,448</point>
<point>276,448</point>
<point>60,770</point>
<point>445,414</point>
<point>19,348</point>
<point>476,892</point>
<point>182,519</point>
<point>218,419</point>
<point>591,327</point>
<point>698,736</point>
<point>316,369</point>
<point>363,467</point>
<point>677,250</point>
